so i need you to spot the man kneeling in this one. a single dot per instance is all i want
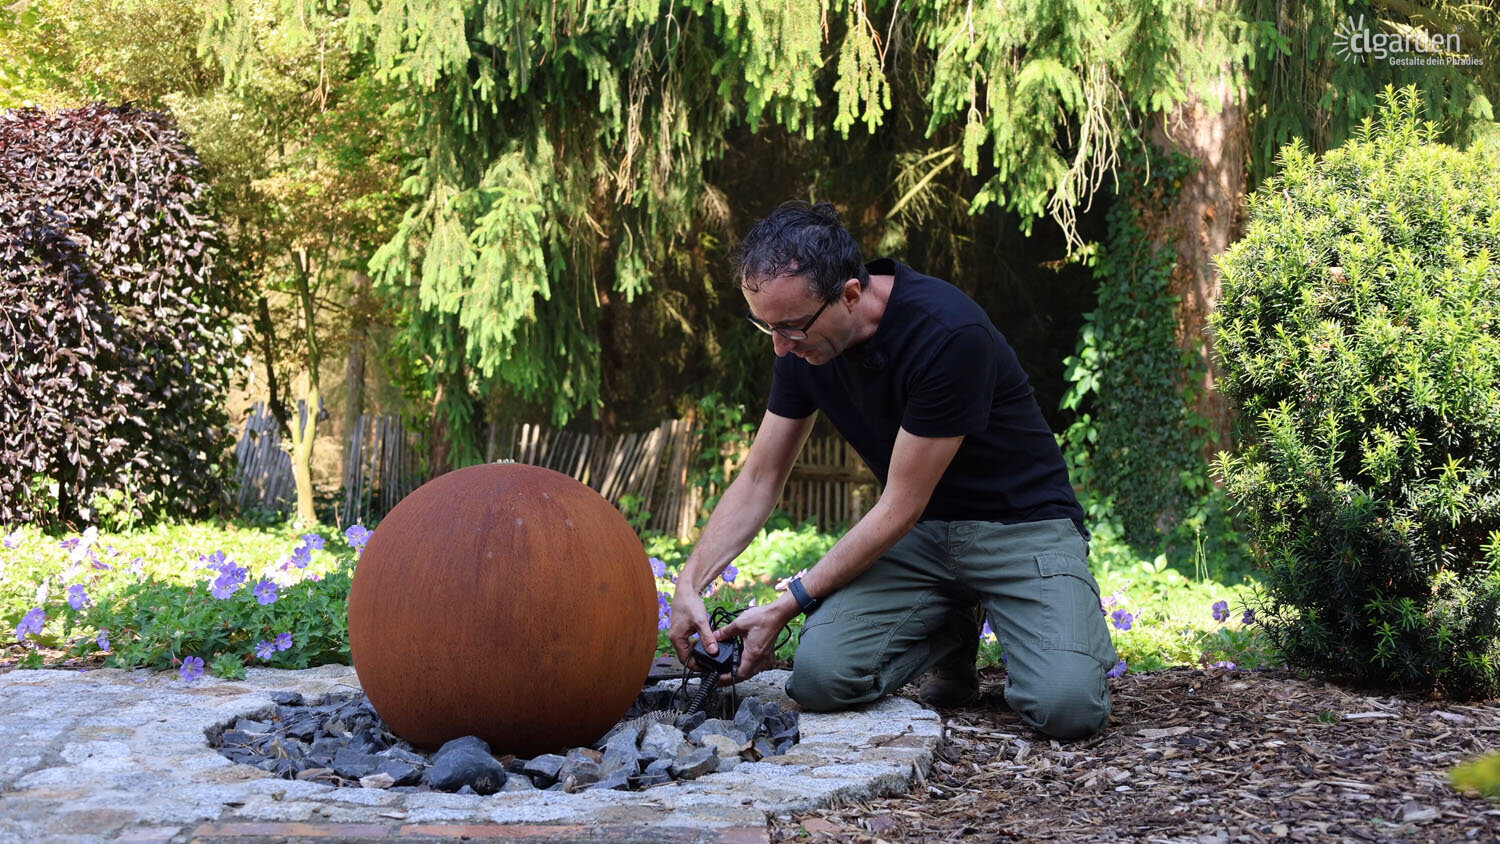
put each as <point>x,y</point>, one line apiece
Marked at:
<point>977,510</point>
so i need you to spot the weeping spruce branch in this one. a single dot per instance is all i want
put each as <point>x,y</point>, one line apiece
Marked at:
<point>561,149</point>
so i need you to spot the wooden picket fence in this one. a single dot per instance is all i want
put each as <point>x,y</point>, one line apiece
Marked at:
<point>262,467</point>
<point>381,467</point>
<point>640,472</point>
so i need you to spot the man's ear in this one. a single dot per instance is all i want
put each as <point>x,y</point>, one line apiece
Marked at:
<point>854,286</point>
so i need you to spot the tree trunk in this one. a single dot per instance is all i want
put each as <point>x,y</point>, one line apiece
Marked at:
<point>354,373</point>
<point>1202,224</point>
<point>304,433</point>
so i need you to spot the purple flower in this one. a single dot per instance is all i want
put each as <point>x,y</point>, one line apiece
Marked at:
<point>31,624</point>
<point>1221,611</point>
<point>211,561</point>
<point>100,565</point>
<point>77,597</point>
<point>663,611</point>
<point>1248,618</point>
<point>223,587</point>
<point>1118,671</point>
<point>658,568</point>
<point>987,632</point>
<point>730,573</point>
<point>192,668</point>
<point>81,547</point>
<point>358,536</point>
<point>1227,666</point>
<point>302,556</point>
<point>1121,619</point>
<point>313,541</point>
<point>265,592</point>
<point>13,539</point>
<point>103,640</point>
<point>283,641</point>
<point>264,650</point>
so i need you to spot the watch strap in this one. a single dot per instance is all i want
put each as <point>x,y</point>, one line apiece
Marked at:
<point>807,602</point>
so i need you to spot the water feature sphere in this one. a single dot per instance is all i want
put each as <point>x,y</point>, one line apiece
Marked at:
<point>505,601</point>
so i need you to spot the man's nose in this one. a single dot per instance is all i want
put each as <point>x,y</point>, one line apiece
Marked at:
<point>781,344</point>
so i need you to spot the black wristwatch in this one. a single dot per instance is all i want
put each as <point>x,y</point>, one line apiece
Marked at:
<point>807,602</point>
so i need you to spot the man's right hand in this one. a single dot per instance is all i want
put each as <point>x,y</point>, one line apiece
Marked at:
<point>689,616</point>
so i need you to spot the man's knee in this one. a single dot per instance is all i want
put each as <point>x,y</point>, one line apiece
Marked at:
<point>825,682</point>
<point>1069,705</point>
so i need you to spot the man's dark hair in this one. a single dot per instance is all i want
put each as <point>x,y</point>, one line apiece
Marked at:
<point>801,239</point>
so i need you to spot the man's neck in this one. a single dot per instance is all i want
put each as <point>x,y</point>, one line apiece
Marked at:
<point>873,304</point>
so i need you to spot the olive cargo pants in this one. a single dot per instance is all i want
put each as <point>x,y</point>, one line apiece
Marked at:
<point>892,622</point>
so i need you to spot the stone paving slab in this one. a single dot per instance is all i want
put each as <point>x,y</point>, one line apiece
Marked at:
<point>122,756</point>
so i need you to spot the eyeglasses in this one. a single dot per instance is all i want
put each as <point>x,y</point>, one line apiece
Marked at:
<point>785,331</point>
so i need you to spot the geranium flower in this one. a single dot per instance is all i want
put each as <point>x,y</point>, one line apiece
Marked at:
<point>31,624</point>
<point>192,668</point>
<point>1221,611</point>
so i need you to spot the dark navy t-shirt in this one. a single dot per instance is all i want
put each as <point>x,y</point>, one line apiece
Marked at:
<point>938,367</point>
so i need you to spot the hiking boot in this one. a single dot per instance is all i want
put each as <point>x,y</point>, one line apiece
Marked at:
<point>954,680</point>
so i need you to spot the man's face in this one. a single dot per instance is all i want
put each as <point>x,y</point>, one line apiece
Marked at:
<point>786,303</point>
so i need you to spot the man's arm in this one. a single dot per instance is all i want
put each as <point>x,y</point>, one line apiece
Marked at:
<point>741,513</point>
<point>917,464</point>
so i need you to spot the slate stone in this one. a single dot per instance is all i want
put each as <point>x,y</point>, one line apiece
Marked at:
<point>579,772</point>
<point>463,741</point>
<point>701,761</point>
<point>661,741</point>
<point>648,780</point>
<point>246,725</point>
<point>617,759</point>
<point>617,780</point>
<point>750,716</point>
<point>691,721</point>
<point>399,754</point>
<point>302,727</point>
<point>455,767</point>
<point>517,782</point>
<point>717,727</point>
<point>324,749</point>
<point>351,764</point>
<point>725,745</point>
<point>727,764</point>
<point>369,741</point>
<point>237,738</point>
<point>625,740</point>
<point>401,773</point>
<point>287,698</point>
<point>764,748</point>
<point>545,766</point>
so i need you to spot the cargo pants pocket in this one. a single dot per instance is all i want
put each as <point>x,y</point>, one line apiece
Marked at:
<point>1071,618</point>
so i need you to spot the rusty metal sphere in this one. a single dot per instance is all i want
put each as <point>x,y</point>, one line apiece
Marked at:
<point>505,601</point>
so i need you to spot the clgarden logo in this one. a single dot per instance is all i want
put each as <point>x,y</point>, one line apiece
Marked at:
<point>1354,41</point>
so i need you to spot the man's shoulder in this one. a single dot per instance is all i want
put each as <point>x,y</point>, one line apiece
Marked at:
<point>938,302</point>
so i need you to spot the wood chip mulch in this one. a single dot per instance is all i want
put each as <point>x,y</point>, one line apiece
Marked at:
<point>1193,756</point>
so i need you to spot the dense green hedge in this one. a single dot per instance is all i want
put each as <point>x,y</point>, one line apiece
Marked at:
<point>116,346</point>
<point>1360,336</point>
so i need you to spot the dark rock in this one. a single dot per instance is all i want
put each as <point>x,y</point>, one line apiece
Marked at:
<point>688,723</point>
<point>324,749</point>
<point>287,698</point>
<point>302,727</point>
<point>467,790</point>
<point>625,739</point>
<point>237,738</point>
<point>727,764</point>
<point>544,767</point>
<point>617,780</point>
<point>456,766</point>
<point>694,765</point>
<point>245,725</point>
<point>584,753</point>
<point>718,727</point>
<point>517,782</point>
<point>661,741</point>
<point>351,764</point>
<point>368,740</point>
<point>783,747</point>
<point>764,748</point>
<point>399,754</point>
<point>750,716</point>
<point>578,772</point>
<point>403,773</point>
<point>284,748</point>
<point>616,759</point>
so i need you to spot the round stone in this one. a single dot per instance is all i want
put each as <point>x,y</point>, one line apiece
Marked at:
<point>504,601</point>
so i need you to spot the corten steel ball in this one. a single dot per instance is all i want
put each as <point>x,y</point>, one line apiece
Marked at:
<point>506,601</point>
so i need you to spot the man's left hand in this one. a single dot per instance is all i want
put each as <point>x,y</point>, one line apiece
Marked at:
<point>759,627</point>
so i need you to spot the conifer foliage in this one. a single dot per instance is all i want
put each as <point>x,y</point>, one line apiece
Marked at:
<point>115,344</point>
<point>1360,336</point>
